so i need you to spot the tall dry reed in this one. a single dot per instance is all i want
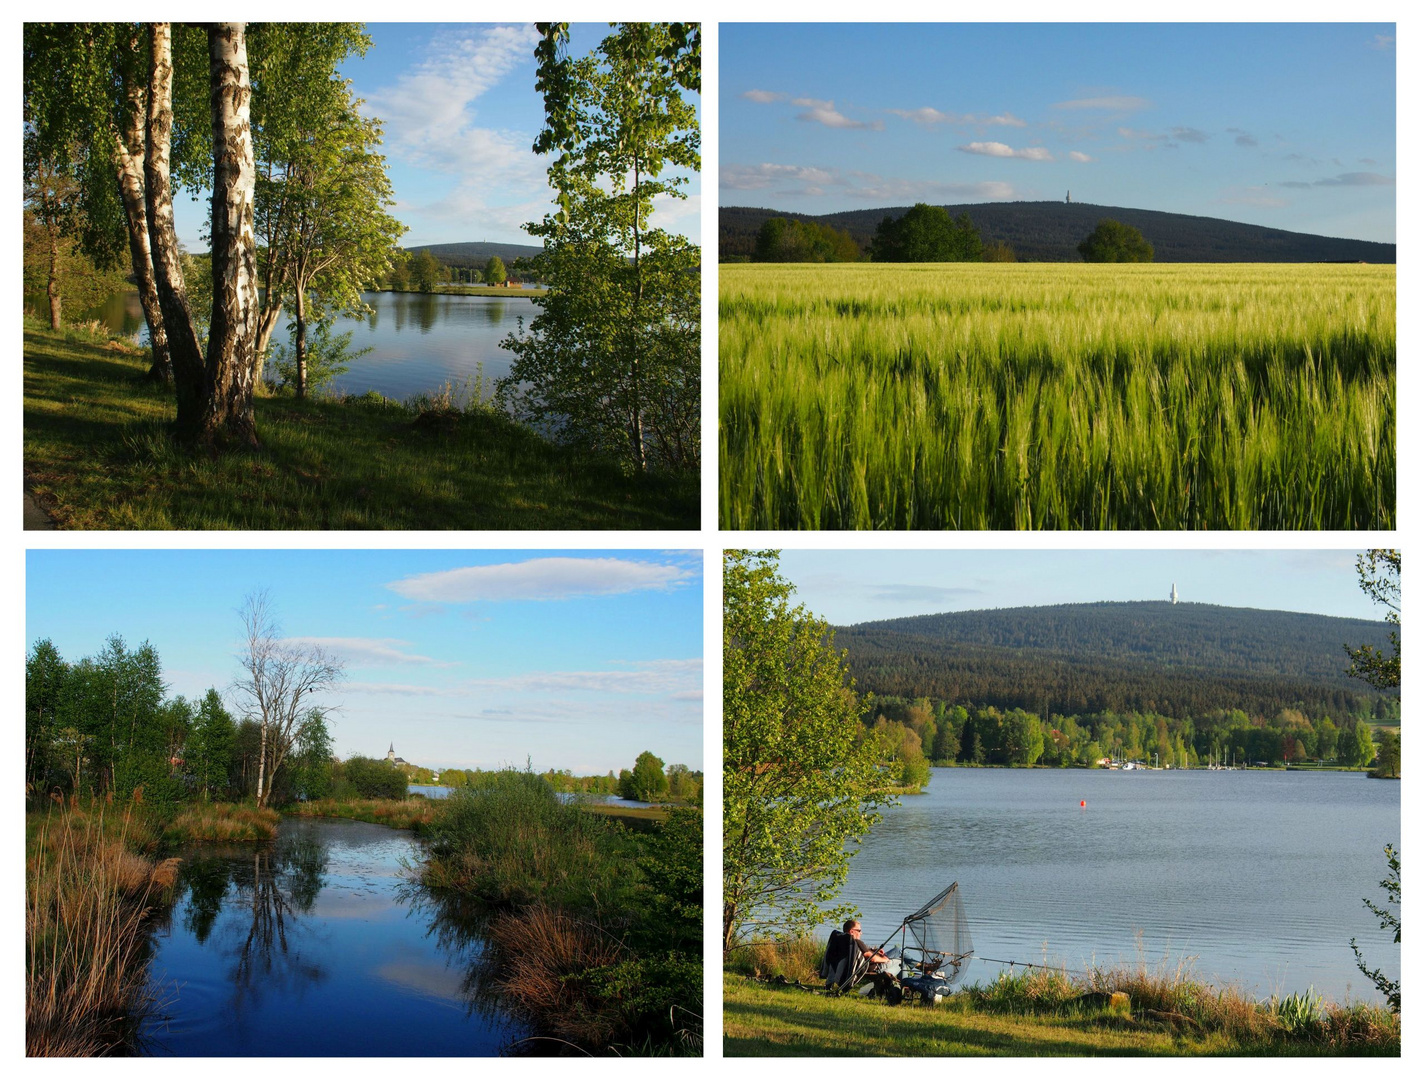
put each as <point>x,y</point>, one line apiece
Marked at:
<point>88,890</point>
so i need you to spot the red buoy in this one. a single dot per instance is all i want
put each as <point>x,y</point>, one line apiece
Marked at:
<point>1083,802</point>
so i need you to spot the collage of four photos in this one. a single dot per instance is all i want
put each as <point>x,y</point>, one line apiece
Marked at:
<point>1028,631</point>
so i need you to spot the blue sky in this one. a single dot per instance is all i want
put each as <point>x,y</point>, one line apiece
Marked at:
<point>1286,125</point>
<point>848,587</point>
<point>579,660</point>
<point>461,114</point>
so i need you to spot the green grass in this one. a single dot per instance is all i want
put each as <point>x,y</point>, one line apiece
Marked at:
<point>99,455</point>
<point>767,1020</point>
<point>1036,396</point>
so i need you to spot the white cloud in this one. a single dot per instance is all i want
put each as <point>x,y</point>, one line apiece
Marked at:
<point>814,180</point>
<point>929,117</point>
<point>430,115</point>
<point>676,680</point>
<point>1109,103</point>
<point>824,112</point>
<point>371,651</point>
<point>1189,134</point>
<point>428,110</point>
<point>891,189</point>
<point>1384,42</point>
<point>556,578</point>
<point>1077,155</point>
<point>1352,179</point>
<point>1002,150</point>
<point>810,180</point>
<point>763,97</point>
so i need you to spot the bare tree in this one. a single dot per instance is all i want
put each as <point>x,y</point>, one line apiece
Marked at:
<point>280,679</point>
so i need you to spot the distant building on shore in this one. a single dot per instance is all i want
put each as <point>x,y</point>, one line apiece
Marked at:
<point>390,757</point>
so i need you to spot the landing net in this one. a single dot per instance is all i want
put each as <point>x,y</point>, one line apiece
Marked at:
<point>936,938</point>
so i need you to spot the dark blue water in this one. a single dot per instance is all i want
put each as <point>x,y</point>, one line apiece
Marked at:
<point>1254,878</point>
<point>314,945</point>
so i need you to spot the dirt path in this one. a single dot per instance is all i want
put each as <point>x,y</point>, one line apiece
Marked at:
<point>35,518</point>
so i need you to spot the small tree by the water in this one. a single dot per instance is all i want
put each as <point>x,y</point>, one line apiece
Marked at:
<point>494,271</point>
<point>1387,920</point>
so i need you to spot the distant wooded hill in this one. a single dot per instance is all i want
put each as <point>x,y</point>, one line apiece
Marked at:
<point>1178,660</point>
<point>478,253</point>
<point>1050,232</point>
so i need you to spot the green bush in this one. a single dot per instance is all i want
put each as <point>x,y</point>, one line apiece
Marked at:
<point>371,779</point>
<point>506,839</point>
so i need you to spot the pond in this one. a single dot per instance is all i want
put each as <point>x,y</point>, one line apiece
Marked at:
<point>315,945</point>
<point>1256,875</point>
<point>420,341</point>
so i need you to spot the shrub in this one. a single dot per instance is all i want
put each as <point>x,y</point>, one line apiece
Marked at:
<point>371,779</point>
<point>507,840</point>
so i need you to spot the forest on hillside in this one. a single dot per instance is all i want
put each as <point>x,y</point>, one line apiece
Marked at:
<point>1178,660</point>
<point>1051,231</point>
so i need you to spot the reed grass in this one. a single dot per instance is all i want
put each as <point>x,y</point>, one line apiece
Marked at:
<point>414,814</point>
<point>222,822</point>
<point>90,883</point>
<point>1035,396</point>
<point>508,841</point>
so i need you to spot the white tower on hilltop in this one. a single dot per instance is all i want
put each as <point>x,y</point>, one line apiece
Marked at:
<point>1068,196</point>
<point>1174,594</point>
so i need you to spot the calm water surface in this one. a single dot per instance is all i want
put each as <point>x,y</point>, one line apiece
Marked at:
<point>1257,875</point>
<point>439,791</point>
<point>314,945</point>
<point>419,341</point>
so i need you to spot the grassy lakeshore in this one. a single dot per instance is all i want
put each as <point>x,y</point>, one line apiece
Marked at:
<point>765,1020</point>
<point>1061,396</point>
<point>99,455</point>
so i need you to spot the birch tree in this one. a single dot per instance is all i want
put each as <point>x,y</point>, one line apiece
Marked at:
<point>280,683</point>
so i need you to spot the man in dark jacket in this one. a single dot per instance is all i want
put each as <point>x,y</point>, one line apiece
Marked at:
<point>847,957</point>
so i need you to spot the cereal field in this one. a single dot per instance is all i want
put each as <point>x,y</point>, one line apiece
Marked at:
<point>1058,396</point>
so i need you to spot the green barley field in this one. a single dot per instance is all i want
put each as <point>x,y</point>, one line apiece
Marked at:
<point>1058,396</point>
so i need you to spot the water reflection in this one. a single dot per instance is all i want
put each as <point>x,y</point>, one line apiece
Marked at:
<point>269,892</point>
<point>418,341</point>
<point>316,944</point>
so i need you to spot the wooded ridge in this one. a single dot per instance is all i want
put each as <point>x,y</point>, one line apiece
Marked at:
<point>1051,231</point>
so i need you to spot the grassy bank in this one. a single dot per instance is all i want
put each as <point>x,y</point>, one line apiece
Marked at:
<point>1040,1012</point>
<point>221,822</point>
<point>593,931</point>
<point>99,455</point>
<point>1032,396</point>
<point>92,876</point>
<point>414,814</point>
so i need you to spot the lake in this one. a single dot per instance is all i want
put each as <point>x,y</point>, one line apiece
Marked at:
<point>419,341</point>
<point>439,791</point>
<point>1257,875</point>
<point>315,945</point>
